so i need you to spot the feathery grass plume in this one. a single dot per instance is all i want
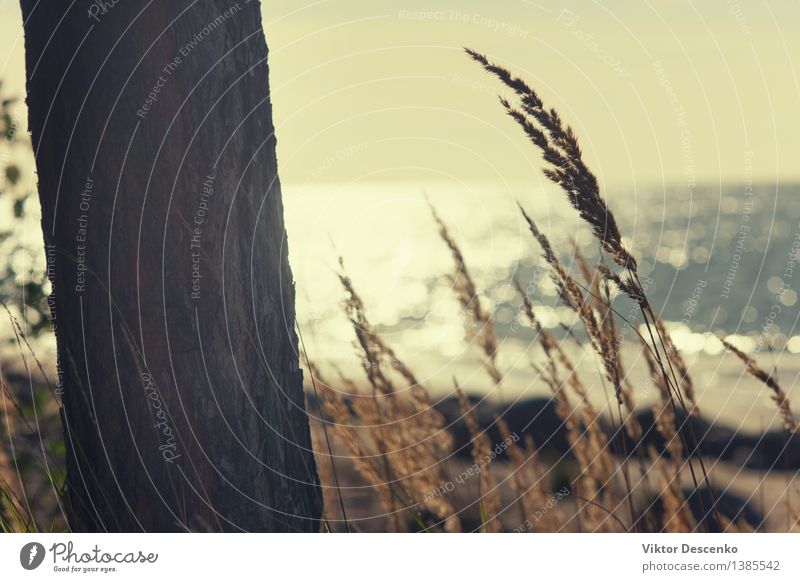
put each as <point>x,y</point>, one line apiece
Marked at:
<point>628,286</point>
<point>529,484</point>
<point>480,324</point>
<point>365,462</point>
<point>405,442</point>
<point>587,446</point>
<point>613,352</point>
<point>602,335</point>
<point>778,395</point>
<point>663,410</point>
<point>613,342</point>
<point>589,276</point>
<point>545,339</point>
<point>674,357</point>
<point>372,414</point>
<point>550,523</point>
<point>368,340</point>
<point>377,352</point>
<point>559,146</point>
<point>554,353</point>
<point>666,419</point>
<point>611,336</point>
<point>602,342</point>
<point>406,429</point>
<point>560,149</point>
<point>367,453</point>
<point>489,494</point>
<point>570,290</point>
<point>600,297</point>
<point>519,484</point>
<point>677,518</point>
<point>634,291</point>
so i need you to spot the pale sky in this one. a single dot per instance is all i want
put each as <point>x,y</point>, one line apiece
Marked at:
<point>377,91</point>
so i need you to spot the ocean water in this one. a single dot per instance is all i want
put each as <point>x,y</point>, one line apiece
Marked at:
<point>716,260</point>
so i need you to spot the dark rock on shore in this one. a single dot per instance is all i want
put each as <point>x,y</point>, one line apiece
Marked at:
<point>775,450</point>
<point>535,417</point>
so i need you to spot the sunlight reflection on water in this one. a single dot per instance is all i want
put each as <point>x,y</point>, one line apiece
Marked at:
<point>399,265</point>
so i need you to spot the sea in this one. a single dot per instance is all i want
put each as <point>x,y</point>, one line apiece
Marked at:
<point>717,261</point>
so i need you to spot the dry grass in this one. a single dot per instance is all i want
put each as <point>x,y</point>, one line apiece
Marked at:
<point>480,325</point>
<point>606,494</point>
<point>31,448</point>
<point>778,395</point>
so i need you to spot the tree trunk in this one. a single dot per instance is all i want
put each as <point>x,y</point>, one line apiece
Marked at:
<point>173,298</point>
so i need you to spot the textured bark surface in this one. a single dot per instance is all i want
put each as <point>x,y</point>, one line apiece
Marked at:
<point>174,301</point>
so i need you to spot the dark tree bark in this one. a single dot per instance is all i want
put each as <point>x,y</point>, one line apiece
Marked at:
<point>174,301</point>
